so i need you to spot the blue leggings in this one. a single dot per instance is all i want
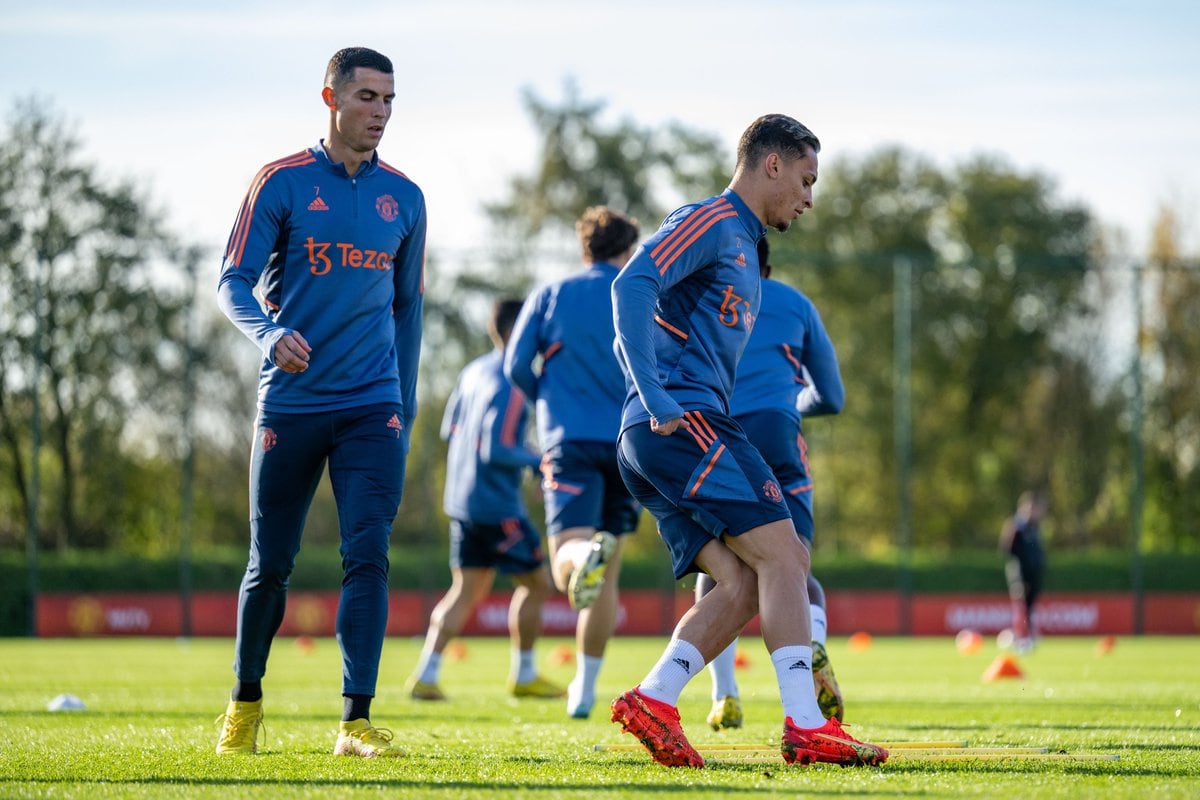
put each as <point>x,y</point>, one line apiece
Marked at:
<point>365,449</point>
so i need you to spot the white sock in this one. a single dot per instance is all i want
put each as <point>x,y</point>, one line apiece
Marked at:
<point>680,662</point>
<point>793,672</point>
<point>819,623</point>
<point>583,687</point>
<point>724,684</point>
<point>574,552</point>
<point>588,671</point>
<point>429,666</point>
<point>523,667</point>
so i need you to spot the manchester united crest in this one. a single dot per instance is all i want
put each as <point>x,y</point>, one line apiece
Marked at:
<point>387,207</point>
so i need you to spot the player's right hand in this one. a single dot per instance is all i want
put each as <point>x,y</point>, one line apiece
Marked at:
<point>668,427</point>
<point>291,352</point>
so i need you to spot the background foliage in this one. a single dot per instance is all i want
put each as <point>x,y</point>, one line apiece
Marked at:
<point>1020,369</point>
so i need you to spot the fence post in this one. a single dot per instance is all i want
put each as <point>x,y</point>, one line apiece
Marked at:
<point>191,263</point>
<point>902,273</point>
<point>1137,489</point>
<point>32,531</point>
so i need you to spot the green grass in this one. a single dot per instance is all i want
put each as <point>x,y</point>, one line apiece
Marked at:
<point>148,728</point>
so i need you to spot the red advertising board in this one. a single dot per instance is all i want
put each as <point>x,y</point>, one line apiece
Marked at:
<point>1056,614</point>
<point>642,613</point>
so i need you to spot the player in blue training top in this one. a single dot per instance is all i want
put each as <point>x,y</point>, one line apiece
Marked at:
<point>683,309</point>
<point>490,529</point>
<point>562,356</point>
<point>788,370</point>
<point>334,239</point>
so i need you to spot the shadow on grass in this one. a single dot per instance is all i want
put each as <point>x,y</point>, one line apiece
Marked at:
<point>1038,725</point>
<point>94,713</point>
<point>359,784</point>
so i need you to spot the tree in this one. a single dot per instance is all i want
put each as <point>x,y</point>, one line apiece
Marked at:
<point>1005,393</point>
<point>89,296</point>
<point>1173,427</point>
<point>584,162</point>
<point>868,215</point>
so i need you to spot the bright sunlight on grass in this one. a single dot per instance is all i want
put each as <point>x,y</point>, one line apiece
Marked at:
<point>147,729</point>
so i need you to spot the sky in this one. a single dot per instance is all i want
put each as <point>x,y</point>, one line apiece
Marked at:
<point>190,98</point>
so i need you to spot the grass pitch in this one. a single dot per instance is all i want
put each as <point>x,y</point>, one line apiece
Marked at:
<point>148,731</point>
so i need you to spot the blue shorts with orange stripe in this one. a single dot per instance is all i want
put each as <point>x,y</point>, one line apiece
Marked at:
<point>512,547</point>
<point>778,438</point>
<point>699,483</point>
<point>583,488</point>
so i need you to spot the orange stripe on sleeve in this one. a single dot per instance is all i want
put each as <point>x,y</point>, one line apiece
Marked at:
<point>692,239</point>
<point>508,432</point>
<point>712,463</point>
<point>689,223</point>
<point>237,243</point>
<point>241,229</point>
<point>787,352</point>
<point>393,170</point>
<point>549,352</point>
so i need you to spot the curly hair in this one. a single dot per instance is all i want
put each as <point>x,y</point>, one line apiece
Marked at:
<point>605,233</point>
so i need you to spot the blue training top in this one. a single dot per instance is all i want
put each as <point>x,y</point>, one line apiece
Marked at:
<point>342,262</point>
<point>789,364</point>
<point>683,308</point>
<point>579,389</point>
<point>485,425</point>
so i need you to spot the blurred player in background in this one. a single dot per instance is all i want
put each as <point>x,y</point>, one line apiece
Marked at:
<point>490,530</point>
<point>1025,565</point>
<point>684,307</point>
<point>788,370</point>
<point>562,356</point>
<point>335,240</point>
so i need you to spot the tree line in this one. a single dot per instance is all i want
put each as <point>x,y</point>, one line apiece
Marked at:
<point>988,334</point>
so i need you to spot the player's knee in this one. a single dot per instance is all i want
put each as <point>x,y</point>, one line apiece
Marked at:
<point>536,584</point>
<point>268,574</point>
<point>739,591</point>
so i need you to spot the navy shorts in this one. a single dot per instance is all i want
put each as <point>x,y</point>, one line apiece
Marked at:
<point>583,488</point>
<point>699,483</point>
<point>778,438</point>
<point>512,547</point>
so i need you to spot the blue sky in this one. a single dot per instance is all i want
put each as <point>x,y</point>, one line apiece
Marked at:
<point>191,98</point>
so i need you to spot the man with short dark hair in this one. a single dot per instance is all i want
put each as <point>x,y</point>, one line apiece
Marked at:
<point>562,357</point>
<point>683,308</point>
<point>334,239</point>
<point>788,370</point>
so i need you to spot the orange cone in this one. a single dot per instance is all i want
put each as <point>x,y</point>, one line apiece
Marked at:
<point>562,655</point>
<point>1005,666</point>
<point>860,641</point>
<point>456,651</point>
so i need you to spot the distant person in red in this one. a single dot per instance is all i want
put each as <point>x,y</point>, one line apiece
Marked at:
<point>1020,542</point>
